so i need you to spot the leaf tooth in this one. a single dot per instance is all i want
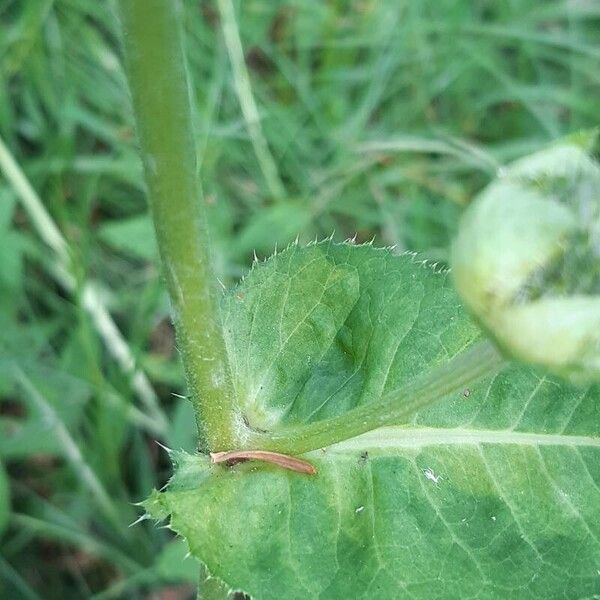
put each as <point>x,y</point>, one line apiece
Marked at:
<point>227,588</point>
<point>169,451</point>
<point>140,519</point>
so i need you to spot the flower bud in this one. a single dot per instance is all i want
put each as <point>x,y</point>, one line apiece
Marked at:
<point>526,261</point>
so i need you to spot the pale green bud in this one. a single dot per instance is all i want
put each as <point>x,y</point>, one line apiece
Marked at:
<point>526,261</point>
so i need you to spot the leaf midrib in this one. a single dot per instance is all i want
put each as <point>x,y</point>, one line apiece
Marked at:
<point>393,438</point>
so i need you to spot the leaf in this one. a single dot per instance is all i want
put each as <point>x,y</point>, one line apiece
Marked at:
<point>133,236</point>
<point>314,332</point>
<point>492,493</point>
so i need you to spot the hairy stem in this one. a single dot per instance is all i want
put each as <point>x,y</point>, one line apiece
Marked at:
<point>159,88</point>
<point>394,408</point>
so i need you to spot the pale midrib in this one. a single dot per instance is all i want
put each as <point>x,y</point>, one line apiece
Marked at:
<point>390,438</point>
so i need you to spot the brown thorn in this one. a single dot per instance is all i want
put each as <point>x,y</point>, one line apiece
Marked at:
<point>281,460</point>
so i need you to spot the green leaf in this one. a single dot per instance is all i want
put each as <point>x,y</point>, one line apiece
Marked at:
<point>134,236</point>
<point>492,493</point>
<point>316,331</point>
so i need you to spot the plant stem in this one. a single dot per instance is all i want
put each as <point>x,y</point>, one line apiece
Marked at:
<point>159,88</point>
<point>394,408</point>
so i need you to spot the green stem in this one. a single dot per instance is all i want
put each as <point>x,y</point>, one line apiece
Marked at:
<point>158,82</point>
<point>395,408</point>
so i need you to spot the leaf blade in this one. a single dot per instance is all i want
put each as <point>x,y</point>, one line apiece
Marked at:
<point>491,493</point>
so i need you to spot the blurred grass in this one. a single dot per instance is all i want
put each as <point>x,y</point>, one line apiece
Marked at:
<point>367,118</point>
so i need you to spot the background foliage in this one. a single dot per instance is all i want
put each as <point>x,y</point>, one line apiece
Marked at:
<point>382,118</point>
